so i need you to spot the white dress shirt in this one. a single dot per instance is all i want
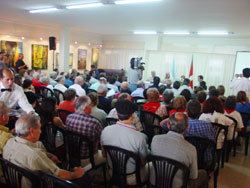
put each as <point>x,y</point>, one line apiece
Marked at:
<point>114,87</point>
<point>93,80</point>
<point>185,87</point>
<point>242,84</point>
<point>60,87</point>
<point>14,97</point>
<point>138,93</point>
<point>79,90</point>
<point>133,75</point>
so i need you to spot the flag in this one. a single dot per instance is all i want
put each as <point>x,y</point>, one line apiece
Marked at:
<point>173,69</point>
<point>191,73</point>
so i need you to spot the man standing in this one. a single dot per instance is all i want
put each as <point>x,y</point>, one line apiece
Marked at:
<point>173,145</point>
<point>133,75</point>
<point>124,135</point>
<point>27,152</point>
<point>81,122</point>
<point>241,83</point>
<point>20,63</point>
<point>11,93</point>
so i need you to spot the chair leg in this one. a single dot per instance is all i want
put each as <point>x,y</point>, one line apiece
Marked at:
<point>223,157</point>
<point>104,175</point>
<point>246,144</point>
<point>234,149</point>
<point>215,177</point>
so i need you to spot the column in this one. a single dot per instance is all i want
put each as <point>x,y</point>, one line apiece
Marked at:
<point>64,50</point>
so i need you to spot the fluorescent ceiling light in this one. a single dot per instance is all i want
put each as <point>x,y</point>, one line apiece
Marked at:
<point>84,5</point>
<point>121,2</point>
<point>176,33</point>
<point>213,33</point>
<point>145,32</point>
<point>43,10</point>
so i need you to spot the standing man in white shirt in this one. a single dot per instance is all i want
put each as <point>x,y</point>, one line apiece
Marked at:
<point>11,93</point>
<point>60,85</point>
<point>241,83</point>
<point>133,75</point>
<point>78,86</point>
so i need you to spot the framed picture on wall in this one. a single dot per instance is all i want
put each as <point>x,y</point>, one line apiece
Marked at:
<point>82,59</point>
<point>70,60</point>
<point>39,56</point>
<point>95,56</point>
<point>11,49</point>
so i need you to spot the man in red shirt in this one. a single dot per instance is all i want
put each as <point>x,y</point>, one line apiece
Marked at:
<point>69,99</point>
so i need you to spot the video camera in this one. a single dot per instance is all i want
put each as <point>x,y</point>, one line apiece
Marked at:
<point>138,63</point>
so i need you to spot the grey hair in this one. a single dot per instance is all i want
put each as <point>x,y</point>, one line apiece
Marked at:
<point>81,103</point>
<point>102,88</point>
<point>178,124</point>
<point>24,123</point>
<point>36,74</point>
<point>60,78</point>
<point>168,94</point>
<point>140,84</point>
<point>78,79</point>
<point>3,108</point>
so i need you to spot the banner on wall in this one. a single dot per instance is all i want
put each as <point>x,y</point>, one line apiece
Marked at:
<point>95,56</point>
<point>82,59</point>
<point>39,56</point>
<point>70,60</point>
<point>11,49</point>
<point>191,74</point>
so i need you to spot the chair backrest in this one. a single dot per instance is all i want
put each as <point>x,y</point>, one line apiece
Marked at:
<point>218,128</point>
<point>91,90</point>
<point>51,181</point>
<point>62,114</point>
<point>119,158</point>
<point>46,92</point>
<point>14,175</point>
<point>73,142</point>
<point>206,151</point>
<point>149,118</point>
<point>59,96</point>
<point>165,170</point>
<point>245,119</point>
<point>111,121</point>
<point>235,126</point>
<point>137,98</point>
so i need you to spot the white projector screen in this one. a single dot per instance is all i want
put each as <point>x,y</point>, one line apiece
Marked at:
<point>242,61</point>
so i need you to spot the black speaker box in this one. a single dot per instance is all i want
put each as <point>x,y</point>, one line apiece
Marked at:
<point>52,43</point>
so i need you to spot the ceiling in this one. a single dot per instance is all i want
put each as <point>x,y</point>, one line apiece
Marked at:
<point>165,15</point>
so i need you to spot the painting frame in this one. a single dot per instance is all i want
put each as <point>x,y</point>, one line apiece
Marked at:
<point>82,59</point>
<point>39,56</point>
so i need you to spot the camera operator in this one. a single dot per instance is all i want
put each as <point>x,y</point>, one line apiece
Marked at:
<point>133,74</point>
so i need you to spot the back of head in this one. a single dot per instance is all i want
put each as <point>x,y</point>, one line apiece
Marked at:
<point>178,122</point>
<point>162,88</point>
<point>140,84</point>
<point>94,98</point>
<point>156,80</point>
<point>186,81</point>
<point>45,80</point>
<point>60,78</point>
<point>24,123</point>
<point>124,85</point>
<point>230,102</point>
<point>176,85</point>
<point>186,93</point>
<point>213,93</point>
<point>103,80</point>
<point>125,109</point>
<point>221,89</point>
<point>194,109</point>
<point>52,74</point>
<point>69,94</point>
<point>102,89</point>
<point>36,75</point>
<point>246,72</point>
<point>112,80</point>
<point>200,77</point>
<point>81,103</point>
<point>48,106</point>
<point>91,73</point>
<point>78,80</point>
<point>201,96</point>
<point>125,90</point>
<point>241,97</point>
<point>153,95</point>
<point>213,104</point>
<point>27,83</point>
<point>168,95</point>
<point>197,89</point>
<point>180,103</point>
<point>124,96</point>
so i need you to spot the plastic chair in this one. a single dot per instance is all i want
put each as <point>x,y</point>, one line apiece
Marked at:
<point>220,129</point>
<point>46,92</point>
<point>62,114</point>
<point>244,133</point>
<point>14,175</point>
<point>165,170</point>
<point>59,96</point>
<point>51,181</point>
<point>111,121</point>
<point>206,154</point>
<point>73,143</point>
<point>119,158</point>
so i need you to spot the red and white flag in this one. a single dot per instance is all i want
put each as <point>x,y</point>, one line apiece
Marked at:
<point>191,74</point>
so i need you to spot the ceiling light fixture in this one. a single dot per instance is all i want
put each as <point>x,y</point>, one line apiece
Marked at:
<point>213,33</point>
<point>100,45</point>
<point>41,38</point>
<point>176,33</point>
<point>89,43</point>
<point>43,10</point>
<point>121,2</point>
<point>145,32</point>
<point>22,38</point>
<point>75,42</point>
<point>85,5</point>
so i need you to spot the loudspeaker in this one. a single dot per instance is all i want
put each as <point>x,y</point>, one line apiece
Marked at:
<point>52,43</point>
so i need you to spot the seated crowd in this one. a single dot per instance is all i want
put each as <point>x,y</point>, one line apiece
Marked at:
<point>90,99</point>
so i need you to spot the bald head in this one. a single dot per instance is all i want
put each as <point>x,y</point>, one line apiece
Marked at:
<point>178,122</point>
<point>124,85</point>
